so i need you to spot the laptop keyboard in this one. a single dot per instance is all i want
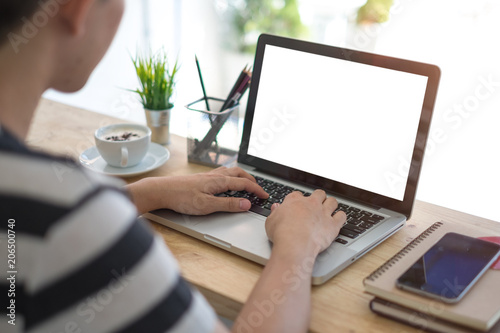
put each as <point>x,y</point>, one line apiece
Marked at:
<point>358,220</point>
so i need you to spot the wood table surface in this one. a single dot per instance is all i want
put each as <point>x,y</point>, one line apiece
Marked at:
<point>339,305</point>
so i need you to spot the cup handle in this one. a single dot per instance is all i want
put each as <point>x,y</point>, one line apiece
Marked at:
<point>124,161</point>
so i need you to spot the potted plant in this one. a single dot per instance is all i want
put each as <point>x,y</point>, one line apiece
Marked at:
<point>157,84</point>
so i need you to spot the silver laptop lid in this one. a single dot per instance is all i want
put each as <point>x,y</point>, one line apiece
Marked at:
<point>350,122</point>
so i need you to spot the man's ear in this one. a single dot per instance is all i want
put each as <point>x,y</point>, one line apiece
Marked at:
<point>74,14</point>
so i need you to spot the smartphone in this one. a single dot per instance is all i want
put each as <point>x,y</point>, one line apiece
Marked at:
<point>450,267</point>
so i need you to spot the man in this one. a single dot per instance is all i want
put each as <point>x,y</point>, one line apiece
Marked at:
<point>83,261</point>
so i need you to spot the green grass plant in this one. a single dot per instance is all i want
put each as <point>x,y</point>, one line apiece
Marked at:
<point>157,80</point>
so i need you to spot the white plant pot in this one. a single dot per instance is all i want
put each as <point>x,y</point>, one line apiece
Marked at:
<point>159,123</point>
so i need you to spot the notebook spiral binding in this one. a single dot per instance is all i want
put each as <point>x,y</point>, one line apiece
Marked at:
<point>379,271</point>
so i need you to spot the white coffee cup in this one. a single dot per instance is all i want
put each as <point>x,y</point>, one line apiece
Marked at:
<point>123,145</point>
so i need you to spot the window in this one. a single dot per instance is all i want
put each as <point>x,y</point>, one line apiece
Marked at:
<point>462,161</point>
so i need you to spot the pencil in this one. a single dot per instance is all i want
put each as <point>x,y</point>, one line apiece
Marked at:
<point>202,84</point>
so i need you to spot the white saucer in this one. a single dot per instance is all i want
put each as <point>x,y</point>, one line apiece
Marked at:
<point>156,156</point>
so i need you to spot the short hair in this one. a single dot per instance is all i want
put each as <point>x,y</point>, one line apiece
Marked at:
<point>11,13</point>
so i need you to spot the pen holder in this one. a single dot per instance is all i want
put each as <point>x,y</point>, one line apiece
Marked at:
<point>213,137</point>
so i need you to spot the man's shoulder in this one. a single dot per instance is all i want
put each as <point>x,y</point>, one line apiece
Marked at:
<point>53,178</point>
<point>42,188</point>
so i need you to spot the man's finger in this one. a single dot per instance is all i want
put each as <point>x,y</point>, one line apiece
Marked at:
<point>339,219</point>
<point>243,184</point>
<point>329,205</point>
<point>239,172</point>
<point>229,204</point>
<point>319,195</point>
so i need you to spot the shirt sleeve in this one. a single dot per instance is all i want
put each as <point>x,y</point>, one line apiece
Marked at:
<point>101,269</point>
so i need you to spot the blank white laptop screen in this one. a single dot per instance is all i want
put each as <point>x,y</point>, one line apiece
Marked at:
<point>345,121</point>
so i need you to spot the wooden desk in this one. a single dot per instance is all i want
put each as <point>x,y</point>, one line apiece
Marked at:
<point>340,305</point>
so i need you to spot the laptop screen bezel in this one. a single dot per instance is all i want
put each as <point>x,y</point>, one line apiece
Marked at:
<point>432,72</point>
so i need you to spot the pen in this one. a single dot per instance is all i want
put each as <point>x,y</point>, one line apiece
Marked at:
<point>244,73</point>
<point>202,84</point>
<point>240,90</point>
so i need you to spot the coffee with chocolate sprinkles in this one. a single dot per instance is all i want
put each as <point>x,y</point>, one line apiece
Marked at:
<point>126,136</point>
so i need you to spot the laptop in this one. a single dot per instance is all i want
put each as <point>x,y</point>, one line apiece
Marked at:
<point>352,123</point>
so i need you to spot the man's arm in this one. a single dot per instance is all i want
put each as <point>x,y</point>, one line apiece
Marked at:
<point>300,229</point>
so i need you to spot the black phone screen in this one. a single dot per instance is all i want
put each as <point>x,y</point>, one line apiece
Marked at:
<point>449,267</point>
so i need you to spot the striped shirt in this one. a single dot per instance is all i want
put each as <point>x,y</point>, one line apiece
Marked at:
<point>74,257</point>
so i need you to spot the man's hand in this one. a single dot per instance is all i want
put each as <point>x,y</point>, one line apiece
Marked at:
<point>304,223</point>
<point>194,194</point>
<point>299,228</point>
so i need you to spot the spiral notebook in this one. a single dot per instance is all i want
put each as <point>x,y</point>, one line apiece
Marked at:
<point>479,309</point>
<point>420,320</point>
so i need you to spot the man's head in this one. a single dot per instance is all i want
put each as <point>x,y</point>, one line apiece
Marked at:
<point>72,36</point>
<point>11,12</point>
